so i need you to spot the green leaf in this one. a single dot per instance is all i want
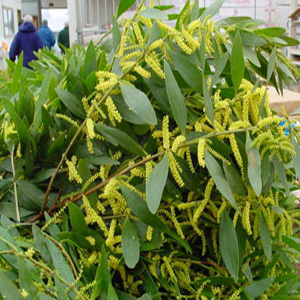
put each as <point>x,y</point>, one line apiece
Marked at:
<point>25,278</point>
<point>271,64</point>
<point>208,102</point>
<point>156,183</point>
<point>296,158</point>
<point>259,287</point>
<point>254,167</point>
<point>103,277</point>
<point>220,65</point>
<point>77,219</point>
<point>72,103</point>
<point>265,237</point>
<point>130,245</point>
<point>280,171</point>
<point>40,244</point>
<point>22,129</point>
<point>218,176</point>
<point>292,243</point>
<point>57,145</point>
<point>139,103</point>
<point>271,31</point>
<point>112,295</point>
<point>234,179</point>
<point>195,11</point>
<point>31,191</point>
<point>76,239</point>
<point>90,60</point>
<point>188,70</point>
<point>123,6</point>
<point>116,34</point>
<point>237,64</point>
<point>212,9</point>
<point>176,98</point>
<point>17,74</point>
<point>59,262</point>
<point>153,13</point>
<point>118,137</point>
<point>251,56</point>
<point>7,289</point>
<point>229,246</point>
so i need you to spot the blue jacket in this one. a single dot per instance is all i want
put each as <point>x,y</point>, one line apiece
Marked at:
<point>28,41</point>
<point>47,36</point>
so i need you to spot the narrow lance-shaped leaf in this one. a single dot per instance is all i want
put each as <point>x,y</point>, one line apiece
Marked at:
<point>271,64</point>
<point>176,98</point>
<point>265,237</point>
<point>130,245</point>
<point>112,295</point>
<point>212,9</point>
<point>237,64</point>
<point>116,34</point>
<point>259,287</point>
<point>222,61</point>
<point>156,183</point>
<point>229,246</point>
<point>254,167</point>
<point>218,176</point>
<point>139,103</point>
<point>123,6</point>
<point>209,108</point>
<point>7,289</point>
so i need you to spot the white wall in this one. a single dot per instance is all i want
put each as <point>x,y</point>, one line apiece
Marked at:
<point>54,3</point>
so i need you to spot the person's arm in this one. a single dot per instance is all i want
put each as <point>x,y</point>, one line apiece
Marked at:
<point>14,50</point>
<point>39,44</point>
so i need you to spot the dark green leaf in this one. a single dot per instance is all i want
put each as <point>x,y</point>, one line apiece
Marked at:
<point>237,64</point>
<point>271,31</point>
<point>229,246</point>
<point>40,244</point>
<point>218,176</point>
<point>212,9</point>
<point>220,65</point>
<point>176,98</point>
<point>259,287</point>
<point>271,64</point>
<point>208,102</point>
<point>90,60</point>
<point>118,137</point>
<point>130,245</point>
<point>195,11</point>
<point>265,237</point>
<point>139,103</point>
<point>123,6</point>
<point>296,158</point>
<point>72,103</point>
<point>77,219</point>
<point>116,34</point>
<point>254,167</point>
<point>156,183</point>
<point>7,289</point>
<point>291,242</point>
<point>280,171</point>
<point>234,179</point>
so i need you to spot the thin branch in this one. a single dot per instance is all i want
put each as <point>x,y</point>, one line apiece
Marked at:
<point>15,186</point>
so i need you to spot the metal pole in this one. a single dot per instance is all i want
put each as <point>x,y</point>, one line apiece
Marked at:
<point>106,20</point>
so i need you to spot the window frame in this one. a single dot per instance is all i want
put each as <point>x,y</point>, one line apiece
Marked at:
<point>5,14</point>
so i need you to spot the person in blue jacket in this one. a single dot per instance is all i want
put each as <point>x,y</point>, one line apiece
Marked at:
<point>46,35</point>
<point>27,40</point>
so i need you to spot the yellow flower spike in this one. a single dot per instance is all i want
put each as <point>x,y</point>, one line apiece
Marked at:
<point>246,109</point>
<point>171,30</point>
<point>200,153</point>
<point>273,120</point>
<point>157,44</point>
<point>155,66</point>
<point>177,142</point>
<point>211,26</point>
<point>256,226</point>
<point>165,132</point>
<point>133,55</point>
<point>176,223</point>
<point>236,294</point>
<point>169,268</point>
<point>214,238</point>
<point>90,128</point>
<point>138,34</point>
<point>190,161</point>
<point>113,113</point>
<point>67,119</point>
<point>235,150</point>
<point>221,210</point>
<point>147,22</point>
<point>175,169</point>
<point>217,155</point>
<point>111,233</point>
<point>24,293</point>
<point>184,47</point>
<point>193,43</point>
<point>192,27</point>
<point>91,240</point>
<point>246,218</point>
<point>142,72</point>
<point>90,145</point>
<point>149,233</point>
<point>73,174</point>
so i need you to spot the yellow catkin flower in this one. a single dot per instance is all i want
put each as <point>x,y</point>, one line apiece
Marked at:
<point>246,218</point>
<point>24,293</point>
<point>175,169</point>
<point>190,161</point>
<point>113,113</point>
<point>91,240</point>
<point>235,218</point>
<point>149,233</point>
<point>73,174</point>
<point>214,238</point>
<point>221,210</point>
<point>201,148</point>
<point>273,120</point>
<point>193,43</point>
<point>194,26</point>
<point>177,142</point>
<point>30,252</point>
<point>184,47</point>
<point>142,72</point>
<point>90,145</point>
<point>67,119</point>
<point>110,238</point>
<point>93,258</point>
<point>211,25</point>
<point>246,109</point>
<point>171,30</point>
<point>217,155</point>
<point>236,295</point>
<point>147,22</point>
<point>138,34</point>
<point>169,268</point>
<point>154,65</point>
<point>149,167</point>
<point>90,128</point>
<point>176,223</point>
<point>165,132</point>
<point>235,150</point>
<point>157,44</point>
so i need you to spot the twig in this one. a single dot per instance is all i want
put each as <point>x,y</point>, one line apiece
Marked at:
<point>15,186</point>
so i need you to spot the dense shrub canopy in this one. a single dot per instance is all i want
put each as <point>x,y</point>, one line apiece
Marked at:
<point>151,165</point>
